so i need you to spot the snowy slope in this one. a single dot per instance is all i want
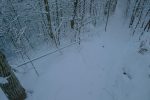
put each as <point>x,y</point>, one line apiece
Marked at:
<point>105,67</point>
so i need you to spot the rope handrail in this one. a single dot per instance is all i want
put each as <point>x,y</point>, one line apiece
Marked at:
<point>34,59</point>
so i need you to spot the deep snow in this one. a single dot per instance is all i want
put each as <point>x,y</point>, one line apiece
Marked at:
<point>107,67</point>
<point>104,67</point>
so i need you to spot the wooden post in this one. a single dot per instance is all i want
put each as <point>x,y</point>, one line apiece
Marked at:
<point>9,83</point>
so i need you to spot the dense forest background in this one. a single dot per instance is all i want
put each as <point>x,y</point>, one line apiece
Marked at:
<point>110,60</point>
<point>27,25</point>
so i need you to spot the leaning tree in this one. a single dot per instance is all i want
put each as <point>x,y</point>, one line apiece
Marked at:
<point>9,83</point>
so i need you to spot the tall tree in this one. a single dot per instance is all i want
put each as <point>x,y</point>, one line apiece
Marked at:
<point>57,22</point>
<point>74,13</point>
<point>48,18</point>
<point>108,6</point>
<point>9,82</point>
<point>51,34</point>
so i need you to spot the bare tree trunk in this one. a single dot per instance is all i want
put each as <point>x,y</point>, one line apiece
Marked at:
<point>51,34</point>
<point>57,22</point>
<point>91,7</point>
<point>11,87</point>
<point>140,16</point>
<point>48,18</point>
<point>135,9</point>
<point>108,12</point>
<point>74,14</point>
<point>145,18</point>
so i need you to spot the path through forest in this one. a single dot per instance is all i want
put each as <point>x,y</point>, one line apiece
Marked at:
<point>103,67</point>
<point>107,67</point>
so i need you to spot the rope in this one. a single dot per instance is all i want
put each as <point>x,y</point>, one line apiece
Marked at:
<point>46,54</point>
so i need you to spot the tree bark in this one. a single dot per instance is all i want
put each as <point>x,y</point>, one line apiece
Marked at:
<point>74,14</point>
<point>48,19</point>
<point>50,32</point>
<point>12,88</point>
<point>108,12</point>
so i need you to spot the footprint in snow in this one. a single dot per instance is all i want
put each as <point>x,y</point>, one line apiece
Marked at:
<point>127,73</point>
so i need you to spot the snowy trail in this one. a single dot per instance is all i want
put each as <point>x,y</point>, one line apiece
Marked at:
<point>106,68</point>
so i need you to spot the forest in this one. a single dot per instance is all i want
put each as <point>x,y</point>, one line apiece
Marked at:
<point>74,49</point>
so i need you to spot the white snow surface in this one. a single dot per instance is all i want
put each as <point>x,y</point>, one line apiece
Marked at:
<point>104,67</point>
<point>95,71</point>
<point>3,80</point>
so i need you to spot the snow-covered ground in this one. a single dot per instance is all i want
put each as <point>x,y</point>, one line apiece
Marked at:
<point>107,67</point>
<point>104,67</point>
